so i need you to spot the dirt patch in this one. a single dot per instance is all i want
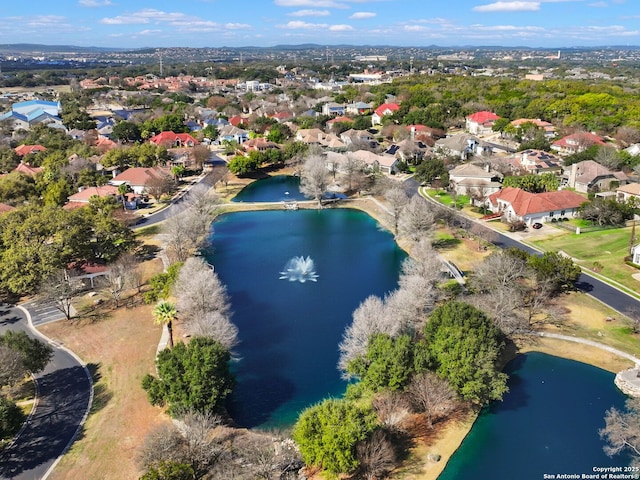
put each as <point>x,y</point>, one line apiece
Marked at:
<point>119,346</point>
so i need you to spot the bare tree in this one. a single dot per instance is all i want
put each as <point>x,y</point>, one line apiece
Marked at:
<point>199,291</point>
<point>160,185</point>
<point>608,157</point>
<point>130,265</point>
<point>314,178</point>
<point>198,440</point>
<point>181,236</point>
<point>116,281</point>
<point>352,167</point>
<point>214,325</point>
<point>12,368</point>
<point>59,288</point>
<point>397,199</point>
<point>377,456</point>
<point>199,154</point>
<point>417,219</point>
<point>391,408</point>
<point>622,430</point>
<point>433,396</point>
<point>370,317</point>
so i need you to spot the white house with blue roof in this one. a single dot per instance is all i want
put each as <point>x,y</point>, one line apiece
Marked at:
<point>24,115</point>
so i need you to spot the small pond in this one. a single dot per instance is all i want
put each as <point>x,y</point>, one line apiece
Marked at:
<point>272,189</point>
<point>547,424</point>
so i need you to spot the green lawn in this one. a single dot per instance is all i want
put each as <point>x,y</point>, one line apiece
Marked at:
<point>446,199</point>
<point>607,247</point>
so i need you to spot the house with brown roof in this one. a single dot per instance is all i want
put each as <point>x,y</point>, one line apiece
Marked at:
<point>625,193</point>
<point>23,150</point>
<point>475,181</point>
<point>538,162</point>
<point>589,176</point>
<point>516,204</point>
<point>28,169</point>
<point>259,144</point>
<point>549,129</point>
<point>386,163</point>
<point>82,197</point>
<point>138,178</point>
<point>576,143</point>
<point>480,123</point>
<point>340,119</point>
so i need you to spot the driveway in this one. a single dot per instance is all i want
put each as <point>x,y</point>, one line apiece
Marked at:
<point>65,392</point>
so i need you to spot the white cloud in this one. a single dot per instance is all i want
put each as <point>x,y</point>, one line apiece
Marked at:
<point>310,13</point>
<point>298,24</point>
<point>94,3</point>
<point>341,28</point>
<point>508,7</point>
<point>362,15</point>
<point>236,26</point>
<point>599,4</point>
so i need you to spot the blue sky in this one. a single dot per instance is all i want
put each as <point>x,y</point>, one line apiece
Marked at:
<point>216,23</point>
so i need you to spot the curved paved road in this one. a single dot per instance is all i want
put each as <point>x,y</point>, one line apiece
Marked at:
<point>65,393</point>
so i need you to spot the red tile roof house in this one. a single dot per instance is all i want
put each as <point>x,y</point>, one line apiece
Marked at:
<point>383,110</point>
<point>480,123</point>
<point>138,177</point>
<point>23,150</point>
<point>576,143</point>
<point>517,205</point>
<point>170,139</point>
<point>81,198</point>
<point>28,169</point>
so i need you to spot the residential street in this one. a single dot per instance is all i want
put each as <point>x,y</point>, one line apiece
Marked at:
<point>64,397</point>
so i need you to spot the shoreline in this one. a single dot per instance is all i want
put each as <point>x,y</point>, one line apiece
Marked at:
<point>450,438</point>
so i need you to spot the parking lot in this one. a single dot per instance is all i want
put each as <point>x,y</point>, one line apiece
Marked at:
<point>43,311</point>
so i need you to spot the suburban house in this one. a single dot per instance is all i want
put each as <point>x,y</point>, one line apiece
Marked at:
<point>259,144</point>
<point>358,137</point>
<point>549,129</point>
<point>474,181</point>
<point>463,146</point>
<point>576,142</point>
<point>627,192</point>
<point>341,119</point>
<point>82,197</point>
<point>138,178</point>
<point>333,109</point>
<point>315,136</point>
<point>23,150</point>
<point>359,108</point>
<point>28,169</point>
<point>590,176</point>
<point>170,140</point>
<point>409,150</point>
<point>383,110</point>
<point>538,162</point>
<point>386,163</point>
<point>230,133</point>
<point>25,115</point>
<point>516,204</point>
<point>480,123</point>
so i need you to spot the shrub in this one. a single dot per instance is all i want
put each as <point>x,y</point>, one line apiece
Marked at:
<point>11,418</point>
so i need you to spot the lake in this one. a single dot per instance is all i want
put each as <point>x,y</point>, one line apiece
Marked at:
<point>289,331</point>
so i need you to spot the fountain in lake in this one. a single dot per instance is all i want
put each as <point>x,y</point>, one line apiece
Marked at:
<point>299,269</point>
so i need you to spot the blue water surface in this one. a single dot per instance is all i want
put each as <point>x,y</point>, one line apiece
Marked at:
<point>547,424</point>
<point>272,189</point>
<point>290,331</point>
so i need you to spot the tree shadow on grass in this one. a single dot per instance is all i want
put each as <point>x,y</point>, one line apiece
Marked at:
<point>101,394</point>
<point>446,243</point>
